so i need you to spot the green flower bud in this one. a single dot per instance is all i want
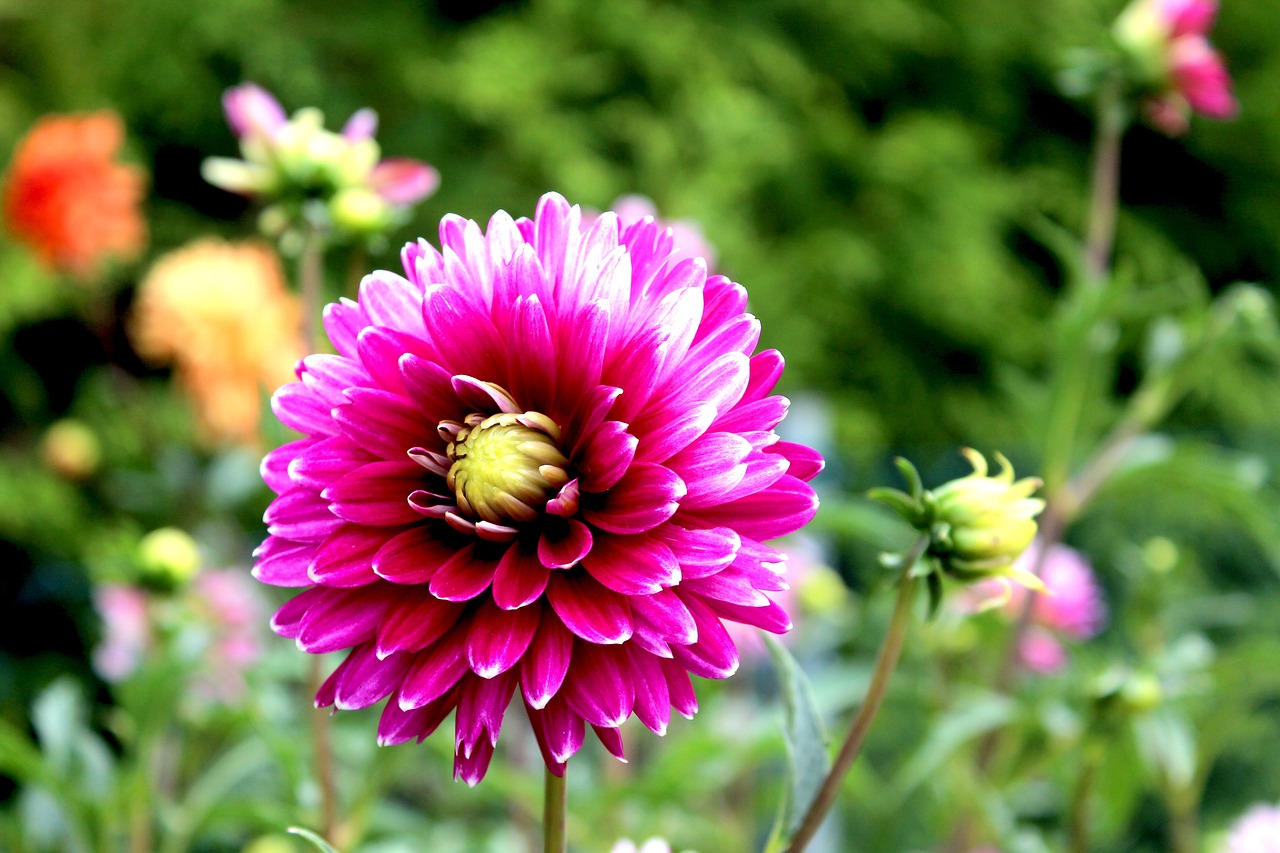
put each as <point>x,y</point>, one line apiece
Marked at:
<point>360,211</point>
<point>981,524</point>
<point>71,449</point>
<point>168,556</point>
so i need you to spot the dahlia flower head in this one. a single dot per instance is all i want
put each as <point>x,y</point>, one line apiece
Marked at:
<point>541,462</point>
<point>68,198</point>
<point>1167,42</point>
<point>294,162</point>
<point>1256,831</point>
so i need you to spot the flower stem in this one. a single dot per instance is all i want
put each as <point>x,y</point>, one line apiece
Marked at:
<point>311,284</point>
<point>555,812</point>
<point>885,664</point>
<point>1078,820</point>
<point>1105,183</point>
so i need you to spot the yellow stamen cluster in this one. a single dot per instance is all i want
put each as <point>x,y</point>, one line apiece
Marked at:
<point>504,466</point>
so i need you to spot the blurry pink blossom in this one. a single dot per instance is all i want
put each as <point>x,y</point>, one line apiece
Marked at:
<point>1256,831</point>
<point>126,630</point>
<point>402,181</point>
<point>231,611</point>
<point>689,239</point>
<point>252,112</point>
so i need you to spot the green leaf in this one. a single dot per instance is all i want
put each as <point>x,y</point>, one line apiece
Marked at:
<point>807,759</point>
<point>319,842</point>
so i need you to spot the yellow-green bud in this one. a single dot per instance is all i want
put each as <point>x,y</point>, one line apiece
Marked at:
<point>168,556</point>
<point>359,210</point>
<point>981,523</point>
<point>505,466</point>
<point>71,449</point>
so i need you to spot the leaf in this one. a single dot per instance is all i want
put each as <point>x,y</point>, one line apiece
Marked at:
<point>319,842</point>
<point>807,759</point>
<point>963,723</point>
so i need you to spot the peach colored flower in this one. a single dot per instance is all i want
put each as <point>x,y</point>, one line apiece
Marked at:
<point>68,199</point>
<point>221,315</point>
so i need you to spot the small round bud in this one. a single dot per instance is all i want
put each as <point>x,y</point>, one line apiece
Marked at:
<point>71,449</point>
<point>359,210</point>
<point>168,556</point>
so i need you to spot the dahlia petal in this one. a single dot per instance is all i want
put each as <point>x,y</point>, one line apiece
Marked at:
<point>632,565</point>
<point>771,617</point>
<point>342,618</point>
<point>281,562</point>
<point>503,239</point>
<point>398,725</point>
<point>763,470</point>
<point>597,688</point>
<point>562,551</point>
<point>530,355</point>
<point>414,622</point>
<point>301,409</point>
<point>612,741</point>
<point>364,678</point>
<point>498,638</point>
<point>650,640</point>
<point>584,340</point>
<point>680,688</point>
<point>288,619</point>
<point>376,494</point>
<point>554,222</point>
<point>380,351</point>
<point>714,655</point>
<point>436,670</point>
<point>383,423</point>
<point>765,371</point>
<point>721,384</point>
<point>545,663</point>
<point>806,463</point>
<point>739,335</point>
<point>646,496</point>
<point>636,365</point>
<point>723,302</point>
<point>755,416</point>
<point>448,317</point>
<point>591,411</point>
<point>302,516</point>
<point>327,461</point>
<point>653,703</point>
<point>345,558</point>
<point>731,585</point>
<point>700,552</point>
<point>463,576</point>
<point>519,579</point>
<point>275,465</point>
<point>588,609</point>
<point>521,277</point>
<point>713,465</point>
<point>606,457</point>
<point>481,707</point>
<point>327,376</point>
<point>402,181</point>
<point>412,557</point>
<point>668,615</point>
<point>343,321</point>
<point>659,444</point>
<point>559,732</point>
<point>783,508</point>
<point>430,387</point>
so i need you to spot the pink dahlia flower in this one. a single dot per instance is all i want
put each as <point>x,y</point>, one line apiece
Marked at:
<point>542,464</point>
<point>690,242</point>
<point>1257,831</point>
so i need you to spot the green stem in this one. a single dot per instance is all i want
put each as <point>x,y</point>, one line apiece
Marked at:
<point>311,284</point>
<point>555,812</point>
<point>887,660</point>
<point>1078,820</point>
<point>1104,192</point>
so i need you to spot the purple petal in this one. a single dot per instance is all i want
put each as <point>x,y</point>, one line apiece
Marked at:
<point>281,562</point>
<point>383,423</point>
<point>413,557</point>
<point>712,466</point>
<point>560,549</point>
<point>611,739</point>
<point>343,618</point>
<point>362,125</point>
<point>519,579</point>
<point>430,386</point>
<point>731,585</point>
<point>531,355</point>
<point>546,661</point>
<point>700,552</point>
<point>782,508</point>
<point>343,321</point>
<point>762,415</point>
<point>766,370</point>
<point>680,688</point>
<point>363,678</point>
<point>398,725</point>
<point>435,670</point>
<point>327,376</point>
<point>481,707</point>
<point>392,301</point>
<point>559,732</point>
<point>498,637</point>
<point>771,617</point>
<point>463,576</point>
<point>302,516</point>
<point>345,558</point>
<point>676,433</point>
<point>597,689</point>
<point>632,565</point>
<point>253,112</point>
<point>646,496</point>
<point>606,456</point>
<point>326,462</point>
<point>714,655</point>
<point>414,622</point>
<point>288,619</point>
<point>653,702</point>
<point>667,613</point>
<point>299,408</point>
<point>806,463</point>
<point>275,465</point>
<point>377,494</point>
<point>588,609</point>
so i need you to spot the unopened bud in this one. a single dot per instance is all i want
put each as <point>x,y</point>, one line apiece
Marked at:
<point>168,556</point>
<point>71,449</point>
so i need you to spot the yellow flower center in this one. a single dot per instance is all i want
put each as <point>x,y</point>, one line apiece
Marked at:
<point>504,466</point>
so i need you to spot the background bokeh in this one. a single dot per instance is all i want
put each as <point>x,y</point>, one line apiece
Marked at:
<point>899,184</point>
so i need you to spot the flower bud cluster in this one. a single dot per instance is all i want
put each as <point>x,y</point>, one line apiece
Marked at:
<point>311,177</point>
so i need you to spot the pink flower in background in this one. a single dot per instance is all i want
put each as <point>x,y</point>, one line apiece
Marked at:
<point>231,609</point>
<point>253,112</point>
<point>1256,831</point>
<point>1072,608</point>
<point>1168,43</point>
<point>126,630</point>
<point>543,462</point>
<point>688,238</point>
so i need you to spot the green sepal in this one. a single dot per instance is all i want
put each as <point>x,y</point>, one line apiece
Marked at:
<point>900,502</point>
<point>934,582</point>
<point>319,842</point>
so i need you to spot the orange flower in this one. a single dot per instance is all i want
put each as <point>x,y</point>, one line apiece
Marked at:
<point>69,200</point>
<point>221,315</point>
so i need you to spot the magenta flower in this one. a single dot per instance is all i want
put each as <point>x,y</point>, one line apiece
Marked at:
<point>1256,831</point>
<point>1168,42</point>
<point>543,462</point>
<point>252,111</point>
<point>690,242</point>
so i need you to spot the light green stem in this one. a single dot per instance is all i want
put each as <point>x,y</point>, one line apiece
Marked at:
<point>886,662</point>
<point>555,812</point>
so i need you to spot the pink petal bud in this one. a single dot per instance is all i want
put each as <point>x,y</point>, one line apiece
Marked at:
<point>363,124</point>
<point>1168,113</point>
<point>401,181</point>
<point>253,111</point>
<point>1199,74</point>
<point>1188,17</point>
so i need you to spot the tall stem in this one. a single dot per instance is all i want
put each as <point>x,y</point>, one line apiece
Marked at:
<point>1105,183</point>
<point>311,284</point>
<point>1078,820</point>
<point>555,810</point>
<point>890,651</point>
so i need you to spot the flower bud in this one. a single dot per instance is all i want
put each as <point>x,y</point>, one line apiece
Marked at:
<point>359,211</point>
<point>71,449</point>
<point>982,523</point>
<point>168,556</point>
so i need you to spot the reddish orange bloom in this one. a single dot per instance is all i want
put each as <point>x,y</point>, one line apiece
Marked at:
<point>69,200</point>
